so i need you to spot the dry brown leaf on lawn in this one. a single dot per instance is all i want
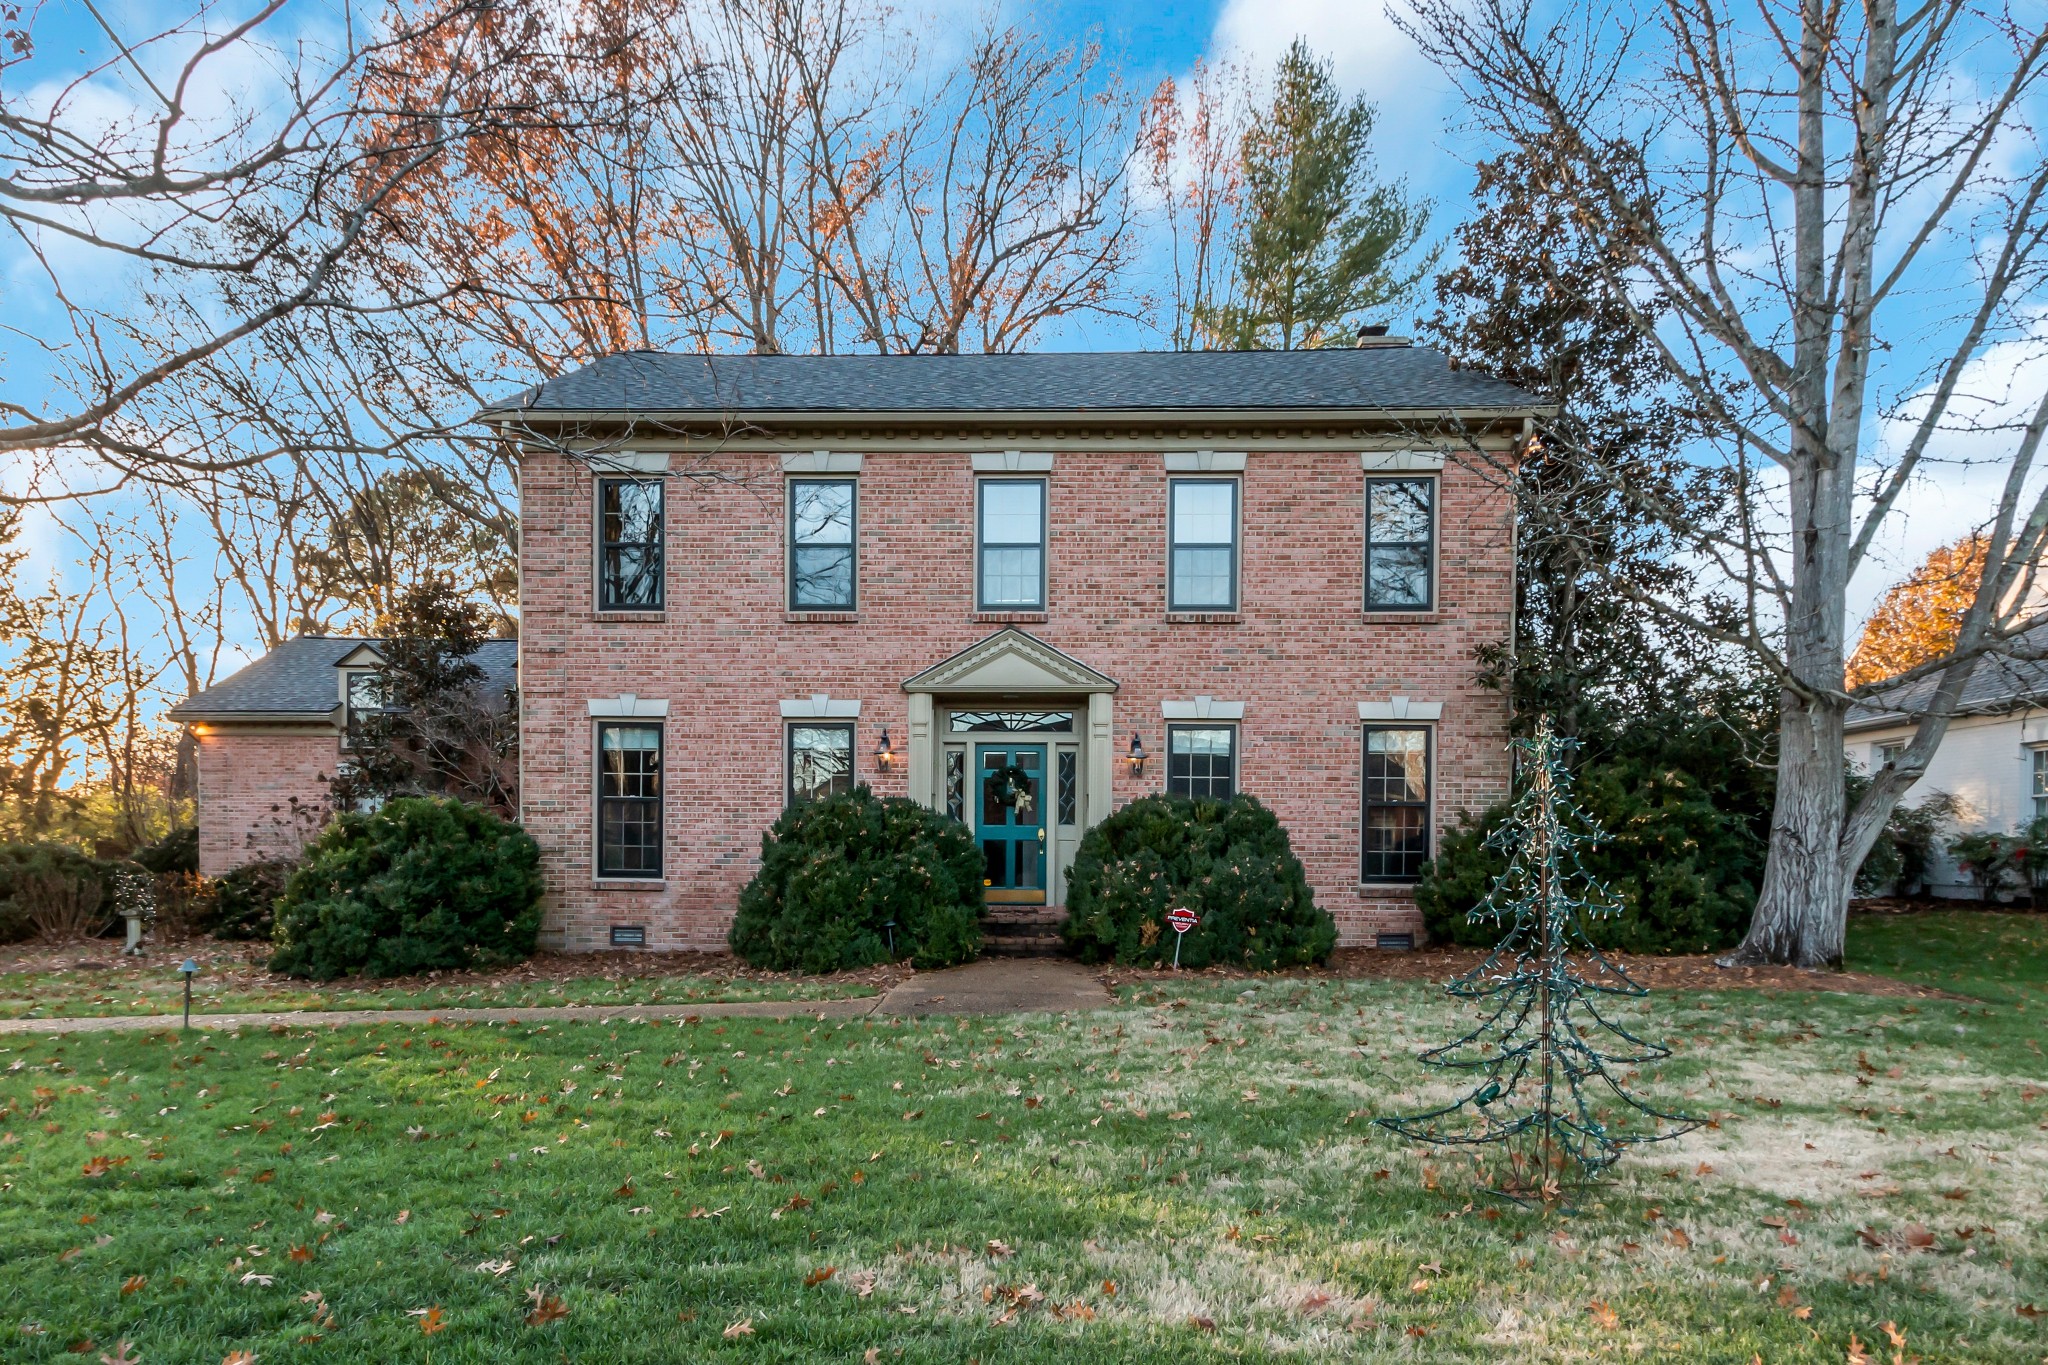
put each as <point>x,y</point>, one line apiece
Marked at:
<point>431,1320</point>
<point>122,1354</point>
<point>133,1283</point>
<point>1857,1355</point>
<point>239,1358</point>
<point>743,1328</point>
<point>1918,1236</point>
<point>1604,1315</point>
<point>872,1356</point>
<point>1000,1249</point>
<point>404,1215</point>
<point>1677,1237</point>
<point>1109,1289</point>
<point>820,1275</point>
<point>301,1253</point>
<point>2029,1311</point>
<point>547,1308</point>
<point>1202,1322</point>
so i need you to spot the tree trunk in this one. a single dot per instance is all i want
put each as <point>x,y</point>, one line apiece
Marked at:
<point>1803,908</point>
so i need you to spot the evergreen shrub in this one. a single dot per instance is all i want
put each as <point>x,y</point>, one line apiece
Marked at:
<point>837,873</point>
<point>244,900</point>
<point>1228,861</point>
<point>50,882</point>
<point>421,884</point>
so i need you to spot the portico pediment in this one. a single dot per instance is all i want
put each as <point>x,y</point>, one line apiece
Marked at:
<point>1010,661</point>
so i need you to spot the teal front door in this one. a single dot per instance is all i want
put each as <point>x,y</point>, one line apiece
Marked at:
<point>1010,822</point>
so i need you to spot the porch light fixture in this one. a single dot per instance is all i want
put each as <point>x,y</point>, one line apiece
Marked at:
<point>885,756</point>
<point>1137,755</point>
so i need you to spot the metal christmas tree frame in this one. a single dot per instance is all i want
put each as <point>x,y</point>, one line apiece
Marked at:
<point>1545,1048</point>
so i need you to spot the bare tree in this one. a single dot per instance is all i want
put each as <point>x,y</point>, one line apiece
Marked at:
<point>1192,172</point>
<point>1843,210</point>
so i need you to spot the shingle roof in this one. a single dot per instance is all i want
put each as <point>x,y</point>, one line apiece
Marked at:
<point>1997,682</point>
<point>297,679</point>
<point>1383,377</point>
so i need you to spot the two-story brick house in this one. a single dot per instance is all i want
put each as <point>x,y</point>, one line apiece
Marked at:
<point>747,580</point>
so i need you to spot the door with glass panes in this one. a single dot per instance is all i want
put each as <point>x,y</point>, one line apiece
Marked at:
<point>1010,822</point>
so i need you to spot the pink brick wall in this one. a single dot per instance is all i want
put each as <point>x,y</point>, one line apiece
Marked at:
<point>1301,655</point>
<point>247,785</point>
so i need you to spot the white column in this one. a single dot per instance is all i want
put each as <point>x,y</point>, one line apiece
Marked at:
<point>923,754</point>
<point>1100,760</point>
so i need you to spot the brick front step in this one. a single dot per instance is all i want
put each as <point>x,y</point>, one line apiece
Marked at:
<point>1023,930</point>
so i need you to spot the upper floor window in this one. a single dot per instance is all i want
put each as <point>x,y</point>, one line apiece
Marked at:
<point>1399,533</point>
<point>365,697</point>
<point>1201,760</point>
<point>628,800</point>
<point>1885,753</point>
<point>629,554</point>
<point>820,762</point>
<point>822,544</point>
<point>1201,526</point>
<point>1394,825</point>
<point>1010,545</point>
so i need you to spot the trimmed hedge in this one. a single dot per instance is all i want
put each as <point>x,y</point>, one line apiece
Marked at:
<point>422,884</point>
<point>1229,861</point>
<point>836,873</point>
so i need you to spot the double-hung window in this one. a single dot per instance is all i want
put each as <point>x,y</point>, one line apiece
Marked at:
<point>820,762</point>
<point>1010,545</point>
<point>822,541</point>
<point>1201,760</point>
<point>628,799</point>
<point>1400,525</point>
<point>629,550</point>
<point>366,697</point>
<point>1201,527</point>
<point>2040,771</point>
<point>1394,825</point>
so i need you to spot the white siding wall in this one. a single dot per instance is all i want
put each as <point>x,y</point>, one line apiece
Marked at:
<point>1985,762</point>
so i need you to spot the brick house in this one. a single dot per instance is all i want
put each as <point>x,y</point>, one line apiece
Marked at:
<point>1071,578</point>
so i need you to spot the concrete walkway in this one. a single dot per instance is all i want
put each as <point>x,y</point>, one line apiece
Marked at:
<point>999,985</point>
<point>990,986</point>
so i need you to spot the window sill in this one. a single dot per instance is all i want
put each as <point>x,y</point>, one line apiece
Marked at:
<point>1010,617</point>
<point>630,617</point>
<point>821,618</point>
<point>1405,618</point>
<point>630,883</point>
<point>1387,888</point>
<point>1203,618</point>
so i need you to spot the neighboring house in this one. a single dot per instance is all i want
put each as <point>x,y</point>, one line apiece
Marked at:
<point>752,580</point>
<point>271,736</point>
<point>1993,760</point>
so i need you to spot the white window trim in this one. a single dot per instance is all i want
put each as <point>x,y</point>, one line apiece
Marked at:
<point>823,462</point>
<point>1205,461</point>
<point>627,706</point>
<point>1400,708</point>
<point>1012,462</point>
<point>1202,708</point>
<point>818,706</point>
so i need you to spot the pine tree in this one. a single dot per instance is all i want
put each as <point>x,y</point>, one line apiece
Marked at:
<point>1545,1050</point>
<point>1318,239</point>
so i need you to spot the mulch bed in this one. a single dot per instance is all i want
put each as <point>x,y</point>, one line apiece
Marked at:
<point>1682,973</point>
<point>242,963</point>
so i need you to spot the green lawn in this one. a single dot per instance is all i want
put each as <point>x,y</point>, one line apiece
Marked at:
<point>229,986</point>
<point>1990,956</point>
<point>1187,1177</point>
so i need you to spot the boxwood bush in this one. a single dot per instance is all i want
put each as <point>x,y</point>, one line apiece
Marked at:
<point>837,873</point>
<point>1228,861</point>
<point>421,884</point>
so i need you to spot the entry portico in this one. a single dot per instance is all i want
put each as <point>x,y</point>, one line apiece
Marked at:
<point>1017,739</point>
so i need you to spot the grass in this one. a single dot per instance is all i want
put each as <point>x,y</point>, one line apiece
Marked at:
<point>1987,955</point>
<point>227,985</point>
<point>1190,1176</point>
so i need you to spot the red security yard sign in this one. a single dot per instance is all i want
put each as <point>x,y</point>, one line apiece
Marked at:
<point>1182,919</point>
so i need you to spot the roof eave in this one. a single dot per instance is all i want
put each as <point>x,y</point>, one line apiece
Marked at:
<point>188,715</point>
<point>501,416</point>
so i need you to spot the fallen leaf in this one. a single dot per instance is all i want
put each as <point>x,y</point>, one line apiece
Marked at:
<point>2028,1311</point>
<point>1857,1355</point>
<point>301,1253</point>
<point>431,1321</point>
<point>131,1284</point>
<point>999,1249</point>
<point>404,1215</point>
<point>1603,1315</point>
<point>239,1358</point>
<point>743,1328</point>
<point>1202,1323</point>
<point>547,1308</point>
<point>122,1354</point>
<point>1917,1236</point>
<point>820,1275</point>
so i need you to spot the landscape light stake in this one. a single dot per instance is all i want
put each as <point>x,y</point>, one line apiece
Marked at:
<point>188,969</point>
<point>1545,1044</point>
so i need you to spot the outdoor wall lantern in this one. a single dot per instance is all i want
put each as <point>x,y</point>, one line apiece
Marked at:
<point>885,756</point>
<point>1137,755</point>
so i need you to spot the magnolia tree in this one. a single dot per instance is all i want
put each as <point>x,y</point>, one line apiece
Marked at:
<point>1836,215</point>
